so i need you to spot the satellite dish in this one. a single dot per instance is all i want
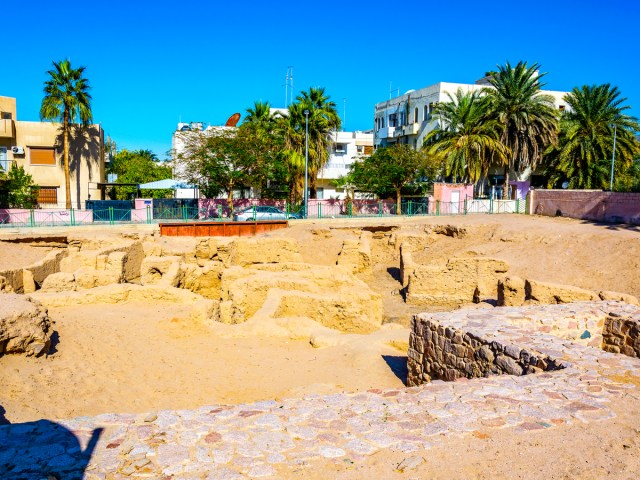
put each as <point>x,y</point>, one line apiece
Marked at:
<point>565,185</point>
<point>233,120</point>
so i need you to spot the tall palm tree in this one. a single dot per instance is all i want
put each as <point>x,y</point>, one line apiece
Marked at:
<point>323,119</point>
<point>291,128</point>
<point>528,117</point>
<point>66,99</point>
<point>466,138</point>
<point>584,152</point>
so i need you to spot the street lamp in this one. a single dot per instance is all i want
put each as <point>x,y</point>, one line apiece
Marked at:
<point>306,162</point>
<point>613,157</point>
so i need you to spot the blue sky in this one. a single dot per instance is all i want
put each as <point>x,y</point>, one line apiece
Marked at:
<point>153,63</point>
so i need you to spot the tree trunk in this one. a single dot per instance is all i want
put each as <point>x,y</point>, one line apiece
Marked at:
<point>398,202</point>
<point>505,189</point>
<point>230,200</point>
<point>65,141</point>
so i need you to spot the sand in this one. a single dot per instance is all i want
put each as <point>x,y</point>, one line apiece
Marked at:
<point>135,358</point>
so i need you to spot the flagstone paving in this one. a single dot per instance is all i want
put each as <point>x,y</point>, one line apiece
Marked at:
<point>254,440</point>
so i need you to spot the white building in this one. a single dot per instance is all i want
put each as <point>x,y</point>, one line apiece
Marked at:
<point>345,149</point>
<point>407,118</point>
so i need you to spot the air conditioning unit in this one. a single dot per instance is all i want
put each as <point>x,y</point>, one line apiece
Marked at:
<point>17,150</point>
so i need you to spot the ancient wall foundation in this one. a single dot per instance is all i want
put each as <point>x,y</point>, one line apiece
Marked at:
<point>437,352</point>
<point>621,335</point>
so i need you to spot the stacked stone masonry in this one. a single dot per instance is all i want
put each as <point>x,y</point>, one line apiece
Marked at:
<point>622,335</point>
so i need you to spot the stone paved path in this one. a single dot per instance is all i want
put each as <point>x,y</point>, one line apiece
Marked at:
<point>251,441</point>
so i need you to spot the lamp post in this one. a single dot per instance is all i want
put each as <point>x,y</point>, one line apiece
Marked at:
<point>306,162</point>
<point>613,157</point>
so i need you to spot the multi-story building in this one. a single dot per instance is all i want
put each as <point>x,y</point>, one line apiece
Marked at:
<point>407,119</point>
<point>345,149</point>
<point>37,146</point>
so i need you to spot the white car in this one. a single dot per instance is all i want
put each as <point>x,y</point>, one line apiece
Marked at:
<point>263,212</point>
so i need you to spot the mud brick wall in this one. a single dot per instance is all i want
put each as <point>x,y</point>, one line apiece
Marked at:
<point>621,335</point>
<point>592,205</point>
<point>437,352</point>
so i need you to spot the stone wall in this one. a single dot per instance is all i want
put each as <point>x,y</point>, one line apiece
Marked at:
<point>621,335</point>
<point>437,352</point>
<point>592,205</point>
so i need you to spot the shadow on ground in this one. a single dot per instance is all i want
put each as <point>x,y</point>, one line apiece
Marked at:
<point>42,449</point>
<point>398,365</point>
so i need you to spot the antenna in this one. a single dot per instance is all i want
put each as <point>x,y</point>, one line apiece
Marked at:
<point>288,87</point>
<point>344,115</point>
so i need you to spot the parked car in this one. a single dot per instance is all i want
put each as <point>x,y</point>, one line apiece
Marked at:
<point>263,212</point>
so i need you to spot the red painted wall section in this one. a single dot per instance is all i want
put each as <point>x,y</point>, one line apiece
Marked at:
<point>594,205</point>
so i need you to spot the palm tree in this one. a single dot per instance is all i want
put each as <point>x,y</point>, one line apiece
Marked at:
<point>528,118</point>
<point>291,129</point>
<point>66,100</point>
<point>466,138</point>
<point>323,119</point>
<point>260,114</point>
<point>583,155</point>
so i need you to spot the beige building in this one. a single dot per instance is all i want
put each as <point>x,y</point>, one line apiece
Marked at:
<point>37,146</point>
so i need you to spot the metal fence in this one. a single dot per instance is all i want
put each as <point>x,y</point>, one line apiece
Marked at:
<point>104,213</point>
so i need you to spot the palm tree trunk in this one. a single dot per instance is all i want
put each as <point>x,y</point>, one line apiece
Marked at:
<point>67,179</point>
<point>505,189</point>
<point>398,202</point>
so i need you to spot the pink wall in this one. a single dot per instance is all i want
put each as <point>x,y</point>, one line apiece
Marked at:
<point>442,191</point>
<point>594,205</point>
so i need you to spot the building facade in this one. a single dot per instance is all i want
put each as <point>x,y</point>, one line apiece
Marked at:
<point>38,147</point>
<point>345,149</point>
<point>408,119</point>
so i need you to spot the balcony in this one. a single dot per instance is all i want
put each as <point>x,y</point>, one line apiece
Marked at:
<point>411,129</point>
<point>7,128</point>
<point>386,132</point>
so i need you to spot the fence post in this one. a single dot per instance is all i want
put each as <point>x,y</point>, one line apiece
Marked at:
<point>437,207</point>
<point>72,216</point>
<point>491,205</point>
<point>517,205</point>
<point>286,209</point>
<point>184,213</point>
<point>148,213</point>
<point>220,212</point>
<point>409,208</point>
<point>319,210</point>
<point>253,208</point>
<point>465,204</point>
<point>350,209</point>
<point>379,209</point>
<point>111,215</point>
<point>32,220</point>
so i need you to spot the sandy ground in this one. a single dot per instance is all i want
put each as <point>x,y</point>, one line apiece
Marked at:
<point>134,358</point>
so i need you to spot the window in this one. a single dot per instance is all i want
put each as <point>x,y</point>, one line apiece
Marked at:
<point>393,120</point>
<point>561,107</point>
<point>42,156</point>
<point>415,115</point>
<point>48,195</point>
<point>360,148</point>
<point>320,193</point>
<point>341,148</point>
<point>368,150</point>
<point>426,113</point>
<point>5,115</point>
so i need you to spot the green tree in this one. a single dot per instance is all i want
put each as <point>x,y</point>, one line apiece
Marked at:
<point>138,166</point>
<point>585,148</point>
<point>66,100</point>
<point>227,159</point>
<point>466,138</point>
<point>17,189</point>
<point>260,114</point>
<point>390,169</point>
<point>528,117</point>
